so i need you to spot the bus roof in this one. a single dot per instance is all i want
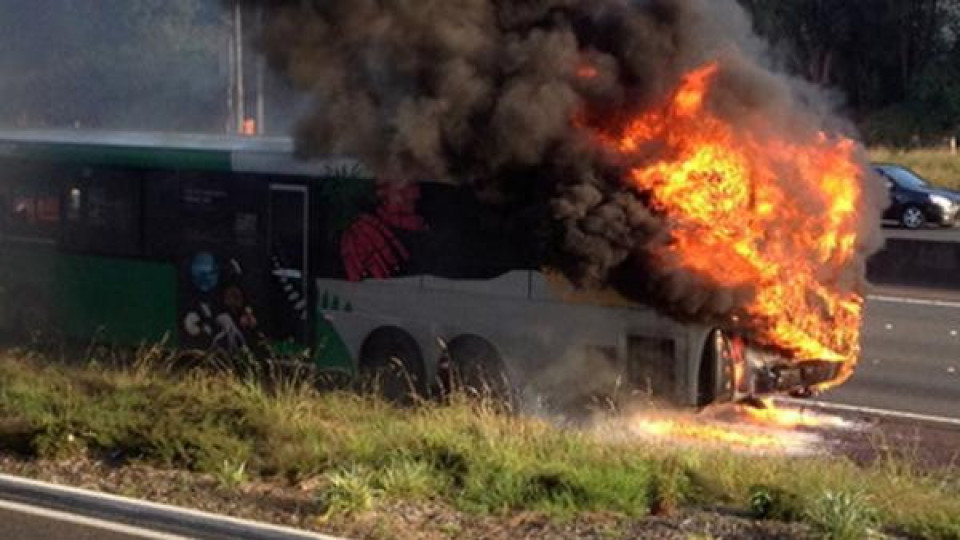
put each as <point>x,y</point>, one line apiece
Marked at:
<point>179,151</point>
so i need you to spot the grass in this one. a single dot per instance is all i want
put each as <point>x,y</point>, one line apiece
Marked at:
<point>844,515</point>
<point>940,167</point>
<point>360,450</point>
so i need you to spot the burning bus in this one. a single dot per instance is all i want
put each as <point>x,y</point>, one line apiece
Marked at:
<point>231,244</point>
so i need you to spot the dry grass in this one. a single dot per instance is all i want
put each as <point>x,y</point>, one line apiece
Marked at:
<point>940,167</point>
<point>358,450</point>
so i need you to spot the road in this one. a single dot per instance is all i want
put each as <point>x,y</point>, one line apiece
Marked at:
<point>911,354</point>
<point>941,234</point>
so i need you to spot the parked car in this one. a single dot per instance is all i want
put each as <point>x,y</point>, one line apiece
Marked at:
<point>914,203</point>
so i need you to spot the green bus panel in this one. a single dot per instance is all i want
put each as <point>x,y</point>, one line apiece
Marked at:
<point>128,302</point>
<point>125,301</point>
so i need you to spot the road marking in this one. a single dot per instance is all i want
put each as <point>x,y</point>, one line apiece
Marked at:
<point>913,301</point>
<point>902,415</point>
<point>84,521</point>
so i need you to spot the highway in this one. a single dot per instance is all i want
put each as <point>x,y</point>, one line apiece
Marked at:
<point>941,234</point>
<point>910,357</point>
<point>910,354</point>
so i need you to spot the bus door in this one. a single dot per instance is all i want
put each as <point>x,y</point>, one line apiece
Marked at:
<point>288,251</point>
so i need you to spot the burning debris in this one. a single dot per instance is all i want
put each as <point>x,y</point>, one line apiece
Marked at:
<point>771,429</point>
<point>675,164</point>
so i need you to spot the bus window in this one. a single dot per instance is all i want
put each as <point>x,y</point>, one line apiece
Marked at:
<point>102,213</point>
<point>32,212</point>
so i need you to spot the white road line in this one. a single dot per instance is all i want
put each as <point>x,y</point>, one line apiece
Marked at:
<point>902,415</point>
<point>913,301</point>
<point>84,521</point>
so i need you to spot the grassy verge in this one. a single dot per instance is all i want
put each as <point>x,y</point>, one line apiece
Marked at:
<point>938,166</point>
<point>357,452</point>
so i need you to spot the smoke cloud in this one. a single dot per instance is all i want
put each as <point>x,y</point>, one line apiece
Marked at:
<point>489,93</point>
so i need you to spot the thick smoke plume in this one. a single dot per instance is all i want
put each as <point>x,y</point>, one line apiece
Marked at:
<point>492,94</point>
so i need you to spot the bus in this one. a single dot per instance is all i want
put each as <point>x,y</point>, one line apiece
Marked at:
<point>233,244</point>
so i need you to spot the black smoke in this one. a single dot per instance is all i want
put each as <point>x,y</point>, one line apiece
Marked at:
<point>490,93</point>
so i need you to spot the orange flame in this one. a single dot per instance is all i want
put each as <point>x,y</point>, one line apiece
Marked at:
<point>678,430</point>
<point>735,223</point>
<point>739,427</point>
<point>587,71</point>
<point>771,415</point>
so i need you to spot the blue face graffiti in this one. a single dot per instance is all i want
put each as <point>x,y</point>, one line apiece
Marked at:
<point>205,271</point>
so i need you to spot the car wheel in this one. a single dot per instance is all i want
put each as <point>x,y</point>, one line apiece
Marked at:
<point>913,218</point>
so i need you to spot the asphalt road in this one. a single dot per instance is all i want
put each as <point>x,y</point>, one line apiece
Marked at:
<point>911,354</point>
<point>941,234</point>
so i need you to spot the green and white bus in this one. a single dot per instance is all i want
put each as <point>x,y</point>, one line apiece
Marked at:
<point>212,242</point>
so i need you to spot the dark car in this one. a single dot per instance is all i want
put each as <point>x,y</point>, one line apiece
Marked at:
<point>914,202</point>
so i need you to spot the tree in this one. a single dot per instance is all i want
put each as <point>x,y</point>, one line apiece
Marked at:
<point>896,61</point>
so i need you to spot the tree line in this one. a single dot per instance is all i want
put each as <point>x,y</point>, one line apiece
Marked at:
<point>161,64</point>
<point>896,62</point>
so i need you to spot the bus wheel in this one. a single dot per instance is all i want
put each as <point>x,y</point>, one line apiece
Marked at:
<point>477,368</point>
<point>391,361</point>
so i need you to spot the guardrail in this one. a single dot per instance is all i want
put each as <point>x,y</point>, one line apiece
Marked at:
<point>918,263</point>
<point>152,516</point>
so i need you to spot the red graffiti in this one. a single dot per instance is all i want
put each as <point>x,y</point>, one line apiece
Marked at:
<point>369,246</point>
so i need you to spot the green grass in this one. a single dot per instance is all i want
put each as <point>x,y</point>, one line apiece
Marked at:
<point>842,515</point>
<point>361,450</point>
<point>938,166</point>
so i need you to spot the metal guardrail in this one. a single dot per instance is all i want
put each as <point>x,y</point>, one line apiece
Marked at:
<point>143,514</point>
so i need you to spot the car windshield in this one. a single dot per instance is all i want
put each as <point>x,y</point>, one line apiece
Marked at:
<point>904,177</point>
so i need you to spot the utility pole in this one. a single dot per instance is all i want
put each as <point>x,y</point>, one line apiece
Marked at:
<point>261,125</point>
<point>239,97</point>
<point>230,123</point>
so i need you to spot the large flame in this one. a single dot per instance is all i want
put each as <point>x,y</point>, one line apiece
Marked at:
<point>736,223</point>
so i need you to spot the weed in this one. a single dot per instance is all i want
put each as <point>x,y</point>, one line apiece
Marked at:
<point>669,488</point>
<point>770,502</point>
<point>349,491</point>
<point>409,479</point>
<point>231,474</point>
<point>841,515</point>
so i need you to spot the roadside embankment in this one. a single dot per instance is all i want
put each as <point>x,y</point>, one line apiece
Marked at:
<point>355,466</point>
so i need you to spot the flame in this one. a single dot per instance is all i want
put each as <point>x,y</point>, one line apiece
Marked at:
<point>736,225</point>
<point>587,71</point>
<point>679,430</point>
<point>738,427</point>
<point>771,415</point>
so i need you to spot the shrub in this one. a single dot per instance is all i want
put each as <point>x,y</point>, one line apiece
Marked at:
<point>771,502</point>
<point>350,490</point>
<point>841,515</point>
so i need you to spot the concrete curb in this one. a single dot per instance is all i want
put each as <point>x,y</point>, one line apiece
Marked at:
<point>134,512</point>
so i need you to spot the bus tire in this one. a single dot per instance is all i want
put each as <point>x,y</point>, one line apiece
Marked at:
<point>477,369</point>
<point>715,378</point>
<point>391,363</point>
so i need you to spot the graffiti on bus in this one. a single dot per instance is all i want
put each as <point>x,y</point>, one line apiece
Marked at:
<point>221,316</point>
